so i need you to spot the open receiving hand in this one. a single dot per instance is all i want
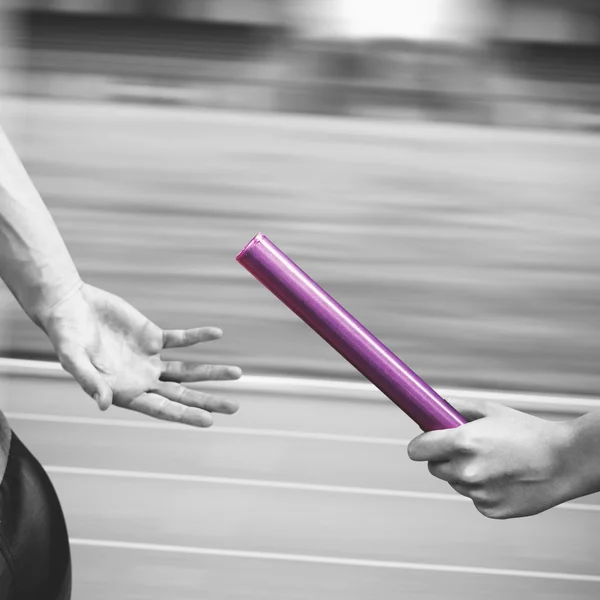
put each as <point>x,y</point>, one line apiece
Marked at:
<point>509,463</point>
<point>113,351</point>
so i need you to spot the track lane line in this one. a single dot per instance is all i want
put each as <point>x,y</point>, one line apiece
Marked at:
<point>281,485</point>
<point>215,429</point>
<point>332,560</point>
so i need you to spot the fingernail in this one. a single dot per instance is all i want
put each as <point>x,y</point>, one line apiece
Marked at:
<point>97,398</point>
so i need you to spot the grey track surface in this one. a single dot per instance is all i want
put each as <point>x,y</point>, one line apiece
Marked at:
<point>226,514</point>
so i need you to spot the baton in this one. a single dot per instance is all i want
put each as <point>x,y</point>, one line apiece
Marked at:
<point>280,275</point>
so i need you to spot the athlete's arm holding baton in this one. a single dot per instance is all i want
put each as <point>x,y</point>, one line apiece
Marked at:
<point>511,464</point>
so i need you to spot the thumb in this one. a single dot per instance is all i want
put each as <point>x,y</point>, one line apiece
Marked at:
<point>474,408</point>
<point>93,383</point>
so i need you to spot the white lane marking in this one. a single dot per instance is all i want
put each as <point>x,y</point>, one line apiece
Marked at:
<point>332,560</point>
<point>135,424</point>
<point>329,387</point>
<point>17,364</point>
<point>283,485</point>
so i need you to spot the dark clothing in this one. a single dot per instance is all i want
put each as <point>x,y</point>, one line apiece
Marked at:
<point>35,560</point>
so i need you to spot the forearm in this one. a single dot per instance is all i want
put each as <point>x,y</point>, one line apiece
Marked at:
<point>34,261</point>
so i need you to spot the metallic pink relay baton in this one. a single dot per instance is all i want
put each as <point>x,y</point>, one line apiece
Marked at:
<point>342,331</point>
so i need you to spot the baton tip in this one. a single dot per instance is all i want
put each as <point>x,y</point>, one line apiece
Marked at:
<point>255,240</point>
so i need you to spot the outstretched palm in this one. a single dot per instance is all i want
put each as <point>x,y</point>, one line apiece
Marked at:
<point>113,351</point>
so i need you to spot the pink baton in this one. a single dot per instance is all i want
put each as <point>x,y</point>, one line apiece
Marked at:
<point>267,263</point>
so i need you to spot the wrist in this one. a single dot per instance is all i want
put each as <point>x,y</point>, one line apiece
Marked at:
<point>48,299</point>
<point>581,455</point>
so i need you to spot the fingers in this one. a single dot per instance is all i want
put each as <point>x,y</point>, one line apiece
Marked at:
<point>461,489</point>
<point>181,338</point>
<point>465,472</point>
<point>473,409</point>
<point>174,402</point>
<point>434,445</point>
<point>465,481</point>
<point>480,495</point>
<point>485,500</point>
<point>195,399</point>
<point>187,371</point>
<point>93,383</point>
<point>443,470</point>
<point>159,407</point>
<point>442,445</point>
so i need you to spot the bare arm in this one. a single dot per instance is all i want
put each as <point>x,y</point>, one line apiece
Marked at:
<point>34,261</point>
<point>110,348</point>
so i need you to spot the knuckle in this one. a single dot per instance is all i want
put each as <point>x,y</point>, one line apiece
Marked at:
<point>466,441</point>
<point>480,403</point>
<point>181,415</point>
<point>154,337</point>
<point>471,475</point>
<point>210,402</point>
<point>158,368</point>
<point>486,406</point>
<point>166,411</point>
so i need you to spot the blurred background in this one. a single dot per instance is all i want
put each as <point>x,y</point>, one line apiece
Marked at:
<point>433,164</point>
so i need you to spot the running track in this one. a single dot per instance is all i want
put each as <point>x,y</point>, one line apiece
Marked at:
<point>305,493</point>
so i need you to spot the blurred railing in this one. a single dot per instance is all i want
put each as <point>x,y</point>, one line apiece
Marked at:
<point>242,66</point>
